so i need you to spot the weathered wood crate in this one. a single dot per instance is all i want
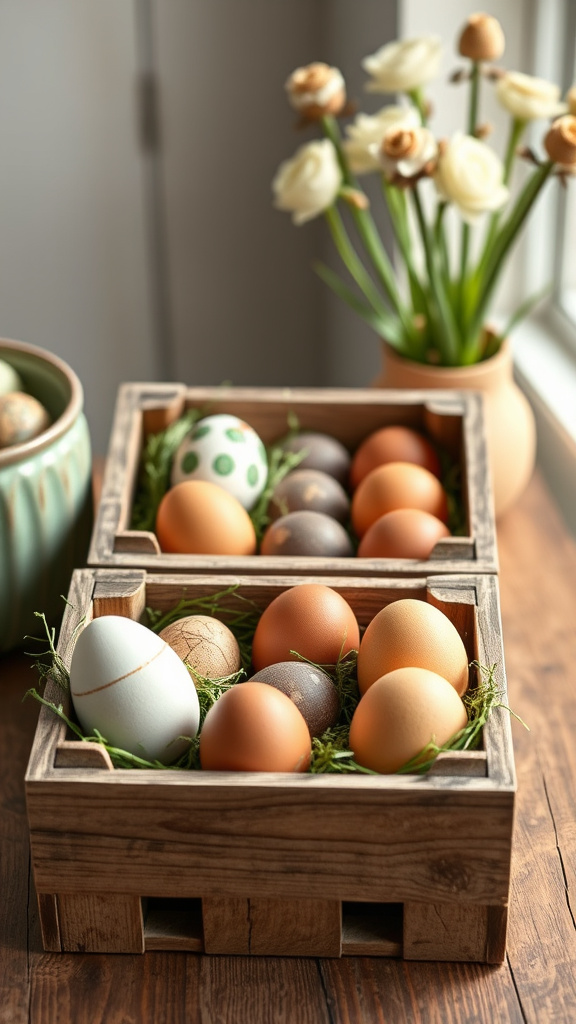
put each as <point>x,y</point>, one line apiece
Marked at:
<point>454,420</point>
<point>413,866</point>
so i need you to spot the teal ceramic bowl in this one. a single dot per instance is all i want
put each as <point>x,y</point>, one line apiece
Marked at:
<point>45,499</point>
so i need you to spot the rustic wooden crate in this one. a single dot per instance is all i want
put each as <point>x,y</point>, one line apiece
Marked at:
<point>453,419</point>
<point>413,866</point>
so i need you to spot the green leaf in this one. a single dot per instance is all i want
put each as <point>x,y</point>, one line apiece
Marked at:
<point>386,326</point>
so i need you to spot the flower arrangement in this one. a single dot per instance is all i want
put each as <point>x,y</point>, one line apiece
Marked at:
<point>435,310</point>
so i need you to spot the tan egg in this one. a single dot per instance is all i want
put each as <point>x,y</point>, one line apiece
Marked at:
<point>198,517</point>
<point>22,418</point>
<point>402,533</point>
<point>205,645</point>
<point>254,727</point>
<point>410,632</point>
<point>310,618</point>
<point>393,444</point>
<point>400,715</point>
<point>396,485</point>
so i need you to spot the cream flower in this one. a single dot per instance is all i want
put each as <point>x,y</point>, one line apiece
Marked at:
<point>470,175</point>
<point>403,65</point>
<point>406,151</point>
<point>368,130</point>
<point>309,183</point>
<point>316,90</point>
<point>528,98</point>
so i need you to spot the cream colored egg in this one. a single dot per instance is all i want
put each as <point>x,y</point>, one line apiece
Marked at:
<point>129,684</point>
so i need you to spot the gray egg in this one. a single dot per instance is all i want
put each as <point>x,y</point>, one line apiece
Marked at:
<point>322,452</point>
<point>307,533</point>
<point>310,689</point>
<point>310,489</point>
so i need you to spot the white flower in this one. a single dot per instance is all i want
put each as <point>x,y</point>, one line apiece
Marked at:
<point>368,130</point>
<point>470,175</point>
<point>406,151</point>
<point>309,183</point>
<point>403,65</point>
<point>528,98</point>
<point>316,89</point>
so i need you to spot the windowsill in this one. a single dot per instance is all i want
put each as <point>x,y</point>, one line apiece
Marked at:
<point>546,371</point>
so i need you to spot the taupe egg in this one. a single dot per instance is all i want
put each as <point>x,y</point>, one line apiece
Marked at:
<point>310,489</point>
<point>309,688</point>
<point>322,452</point>
<point>22,418</point>
<point>307,533</point>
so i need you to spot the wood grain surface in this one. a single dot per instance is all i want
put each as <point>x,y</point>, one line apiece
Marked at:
<point>535,985</point>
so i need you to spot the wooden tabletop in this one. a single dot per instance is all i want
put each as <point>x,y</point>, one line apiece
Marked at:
<point>537,983</point>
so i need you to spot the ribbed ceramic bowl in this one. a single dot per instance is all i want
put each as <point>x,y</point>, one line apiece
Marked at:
<point>45,498</point>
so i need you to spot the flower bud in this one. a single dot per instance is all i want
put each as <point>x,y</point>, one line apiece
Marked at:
<point>316,90</point>
<point>482,38</point>
<point>407,152</point>
<point>560,141</point>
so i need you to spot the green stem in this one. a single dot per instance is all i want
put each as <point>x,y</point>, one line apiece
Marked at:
<point>472,125</point>
<point>417,97</point>
<point>351,260</point>
<point>445,330</point>
<point>517,127</point>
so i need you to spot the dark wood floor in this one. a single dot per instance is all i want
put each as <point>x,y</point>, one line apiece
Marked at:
<point>537,982</point>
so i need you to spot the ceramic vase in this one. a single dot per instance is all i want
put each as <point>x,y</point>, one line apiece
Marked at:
<point>510,424</point>
<point>45,499</point>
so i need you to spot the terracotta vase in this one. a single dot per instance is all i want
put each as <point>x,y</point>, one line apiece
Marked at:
<point>510,425</point>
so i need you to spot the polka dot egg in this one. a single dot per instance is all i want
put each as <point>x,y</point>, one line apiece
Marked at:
<point>224,450</point>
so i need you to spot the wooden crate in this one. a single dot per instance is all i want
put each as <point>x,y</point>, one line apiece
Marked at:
<point>452,419</point>
<point>413,866</point>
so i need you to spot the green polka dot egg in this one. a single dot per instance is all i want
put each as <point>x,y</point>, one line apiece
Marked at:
<point>224,450</point>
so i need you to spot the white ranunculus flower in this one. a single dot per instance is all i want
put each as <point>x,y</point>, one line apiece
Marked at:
<point>406,151</point>
<point>470,175</point>
<point>368,130</point>
<point>403,65</point>
<point>528,98</point>
<point>309,182</point>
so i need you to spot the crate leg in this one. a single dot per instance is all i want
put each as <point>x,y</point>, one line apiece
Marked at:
<point>267,927</point>
<point>108,923</point>
<point>455,931</point>
<point>48,914</point>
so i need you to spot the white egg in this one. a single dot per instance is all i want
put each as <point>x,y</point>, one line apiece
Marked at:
<point>224,450</point>
<point>129,684</point>
<point>10,379</point>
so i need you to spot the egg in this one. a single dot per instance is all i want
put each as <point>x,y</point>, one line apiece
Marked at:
<point>224,450</point>
<point>309,489</point>
<point>22,418</point>
<point>199,517</point>
<point>402,533</point>
<point>400,715</point>
<point>311,690</point>
<point>311,619</point>
<point>393,444</point>
<point>10,379</point>
<point>396,485</point>
<point>322,452</point>
<point>205,644</point>
<point>307,533</point>
<point>129,684</point>
<point>254,727</point>
<point>409,632</point>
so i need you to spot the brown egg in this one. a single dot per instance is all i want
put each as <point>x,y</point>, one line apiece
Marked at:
<point>309,489</point>
<point>307,533</point>
<point>400,715</point>
<point>393,444</point>
<point>254,727</point>
<point>198,517</point>
<point>322,452</point>
<point>402,533</point>
<point>311,619</point>
<point>409,632</point>
<point>311,689</point>
<point>396,485</point>
<point>205,644</point>
<point>22,418</point>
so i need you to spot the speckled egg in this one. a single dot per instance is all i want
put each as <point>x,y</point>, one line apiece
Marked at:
<point>307,533</point>
<point>224,450</point>
<point>205,644</point>
<point>309,489</point>
<point>310,689</point>
<point>321,451</point>
<point>22,418</point>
